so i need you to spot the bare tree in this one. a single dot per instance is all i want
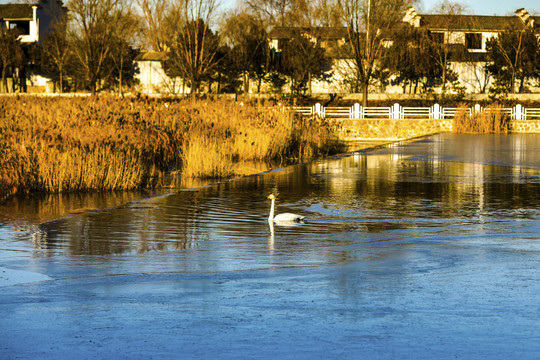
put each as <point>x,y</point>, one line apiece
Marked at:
<point>248,41</point>
<point>93,36</point>
<point>304,13</point>
<point>442,44</point>
<point>302,61</point>
<point>126,34</point>
<point>154,14</point>
<point>192,44</point>
<point>326,13</point>
<point>11,53</point>
<point>515,56</point>
<point>272,12</point>
<point>369,23</point>
<point>406,58</point>
<point>56,50</point>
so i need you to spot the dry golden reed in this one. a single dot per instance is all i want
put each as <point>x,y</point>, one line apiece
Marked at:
<point>492,120</point>
<point>58,144</point>
<point>229,134</point>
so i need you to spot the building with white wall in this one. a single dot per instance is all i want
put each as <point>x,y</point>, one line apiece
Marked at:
<point>469,34</point>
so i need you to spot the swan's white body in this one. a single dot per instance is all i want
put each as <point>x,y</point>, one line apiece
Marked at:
<point>284,216</point>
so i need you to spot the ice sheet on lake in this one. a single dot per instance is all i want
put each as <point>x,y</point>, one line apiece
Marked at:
<point>10,277</point>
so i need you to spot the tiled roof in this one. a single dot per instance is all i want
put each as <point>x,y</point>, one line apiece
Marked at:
<point>330,32</point>
<point>317,32</point>
<point>471,22</point>
<point>151,56</point>
<point>16,11</point>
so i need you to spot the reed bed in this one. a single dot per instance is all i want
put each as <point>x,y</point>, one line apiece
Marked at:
<point>108,143</point>
<point>490,121</point>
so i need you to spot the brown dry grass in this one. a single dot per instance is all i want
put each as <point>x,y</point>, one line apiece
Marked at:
<point>490,121</point>
<point>99,143</point>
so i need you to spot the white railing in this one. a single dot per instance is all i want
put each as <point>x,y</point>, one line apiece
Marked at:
<point>337,112</point>
<point>416,112</point>
<point>306,111</point>
<point>375,112</point>
<point>397,111</point>
<point>532,113</point>
<point>449,113</point>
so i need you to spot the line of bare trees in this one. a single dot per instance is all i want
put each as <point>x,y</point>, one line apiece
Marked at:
<point>93,45</point>
<point>90,47</point>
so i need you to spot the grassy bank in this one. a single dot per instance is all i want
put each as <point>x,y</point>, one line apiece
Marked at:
<point>490,121</point>
<point>108,143</point>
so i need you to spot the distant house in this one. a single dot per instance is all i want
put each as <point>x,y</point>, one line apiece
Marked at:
<point>23,18</point>
<point>465,34</point>
<point>33,21</point>
<point>470,31</point>
<point>329,38</point>
<point>332,39</point>
<point>152,77</point>
<point>469,34</point>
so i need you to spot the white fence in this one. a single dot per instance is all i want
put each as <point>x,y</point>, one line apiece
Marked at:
<point>397,111</point>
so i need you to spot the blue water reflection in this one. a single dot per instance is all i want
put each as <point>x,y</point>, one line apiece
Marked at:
<point>424,249</point>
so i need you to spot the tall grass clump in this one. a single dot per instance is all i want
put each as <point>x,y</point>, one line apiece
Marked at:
<point>107,143</point>
<point>493,120</point>
<point>228,132</point>
<point>74,144</point>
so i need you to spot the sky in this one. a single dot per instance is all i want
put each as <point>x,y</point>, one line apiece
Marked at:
<point>478,7</point>
<point>492,7</point>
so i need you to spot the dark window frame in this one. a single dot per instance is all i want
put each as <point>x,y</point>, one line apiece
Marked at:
<point>473,41</point>
<point>437,37</point>
<point>22,26</point>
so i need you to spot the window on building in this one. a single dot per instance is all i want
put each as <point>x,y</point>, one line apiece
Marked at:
<point>473,41</point>
<point>437,37</point>
<point>23,27</point>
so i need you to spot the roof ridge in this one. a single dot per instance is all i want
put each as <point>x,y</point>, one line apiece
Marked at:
<point>16,11</point>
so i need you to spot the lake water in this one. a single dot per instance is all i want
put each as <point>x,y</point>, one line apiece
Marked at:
<point>424,249</point>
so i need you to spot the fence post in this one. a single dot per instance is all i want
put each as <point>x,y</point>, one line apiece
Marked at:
<point>519,112</point>
<point>396,112</point>
<point>477,108</point>
<point>436,111</point>
<point>318,110</point>
<point>356,111</point>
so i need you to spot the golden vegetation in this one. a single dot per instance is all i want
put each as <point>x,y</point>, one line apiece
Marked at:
<point>98,143</point>
<point>493,120</point>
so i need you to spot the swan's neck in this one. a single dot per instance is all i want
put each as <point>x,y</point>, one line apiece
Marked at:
<point>271,217</point>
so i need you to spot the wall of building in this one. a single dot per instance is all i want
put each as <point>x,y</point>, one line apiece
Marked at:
<point>153,80</point>
<point>473,76</point>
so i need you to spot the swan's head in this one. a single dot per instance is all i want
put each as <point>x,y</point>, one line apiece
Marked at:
<point>271,196</point>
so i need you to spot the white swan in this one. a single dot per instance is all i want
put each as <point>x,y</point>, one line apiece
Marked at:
<point>285,217</point>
